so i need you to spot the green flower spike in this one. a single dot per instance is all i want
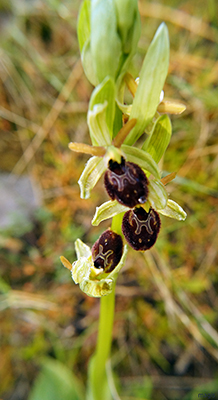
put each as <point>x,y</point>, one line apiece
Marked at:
<point>92,281</point>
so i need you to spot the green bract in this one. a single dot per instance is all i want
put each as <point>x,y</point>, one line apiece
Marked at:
<point>152,77</point>
<point>108,33</point>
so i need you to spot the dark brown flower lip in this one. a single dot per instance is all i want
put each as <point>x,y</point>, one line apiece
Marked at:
<point>107,251</point>
<point>126,182</point>
<point>140,228</point>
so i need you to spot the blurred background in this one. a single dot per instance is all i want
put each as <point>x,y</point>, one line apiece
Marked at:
<point>165,339</point>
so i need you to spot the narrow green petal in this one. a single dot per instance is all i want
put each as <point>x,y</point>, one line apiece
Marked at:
<point>173,210</point>
<point>142,158</point>
<point>157,195</point>
<point>157,142</point>
<point>92,172</point>
<point>107,210</point>
<point>152,77</point>
<point>82,250</point>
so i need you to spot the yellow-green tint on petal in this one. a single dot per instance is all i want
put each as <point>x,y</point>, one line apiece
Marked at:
<point>66,263</point>
<point>123,133</point>
<point>107,210</point>
<point>87,149</point>
<point>130,83</point>
<point>157,195</point>
<point>171,107</point>
<point>173,210</point>
<point>92,172</point>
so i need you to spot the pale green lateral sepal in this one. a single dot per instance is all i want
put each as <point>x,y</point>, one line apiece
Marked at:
<point>81,269</point>
<point>157,195</point>
<point>87,63</point>
<point>142,158</point>
<point>173,210</point>
<point>157,142</point>
<point>99,131</point>
<point>92,172</point>
<point>105,91</point>
<point>82,250</point>
<point>107,210</point>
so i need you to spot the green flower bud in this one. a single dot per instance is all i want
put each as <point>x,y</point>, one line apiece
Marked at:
<point>128,23</point>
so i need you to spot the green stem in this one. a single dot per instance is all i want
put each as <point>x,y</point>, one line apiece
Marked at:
<point>98,388</point>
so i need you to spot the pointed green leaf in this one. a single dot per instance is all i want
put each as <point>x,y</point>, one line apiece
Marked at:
<point>107,210</point>
<point>157,195</point>
<point>83,26</point>
<point>105,92</point>
<point>173,210</point>
<point>92,172</point>
<point>152,77</point>
<point>55,382</point>
<point>143,159</point>
<point>98,128</point>
<point>157,142</point>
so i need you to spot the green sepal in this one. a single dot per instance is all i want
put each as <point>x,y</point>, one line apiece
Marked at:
<point>173,210</point>
<point>142,158</point>
<point>97,288</point>
<point>152,77</point>
<point>106,47</point>
<point>92,172</point>
<point>83,25</point>
<point>107,210</point>
<point>157,195</point>
<point>104,93</point>
<point>98,128</point>
<point>87,63</point>
<point>82,250</point>
<point>157,142</point>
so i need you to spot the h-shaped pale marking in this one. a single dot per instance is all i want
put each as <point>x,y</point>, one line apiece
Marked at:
<point>146,223</point>
<point>120,179</point>
<point>104,256</point>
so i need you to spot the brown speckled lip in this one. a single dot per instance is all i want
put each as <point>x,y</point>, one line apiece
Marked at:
<point>107,250</point>
<point>140,228</point>
<point>126,182</point>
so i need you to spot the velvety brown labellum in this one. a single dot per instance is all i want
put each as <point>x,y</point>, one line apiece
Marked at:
<point>126,182</point>
<point>141,228</point>
<point>107,251</point>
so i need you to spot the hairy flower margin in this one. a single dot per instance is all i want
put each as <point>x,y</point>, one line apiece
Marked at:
<point>112,142</point>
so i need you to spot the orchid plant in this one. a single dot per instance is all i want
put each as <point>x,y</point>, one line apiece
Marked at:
<point>108,33</point>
